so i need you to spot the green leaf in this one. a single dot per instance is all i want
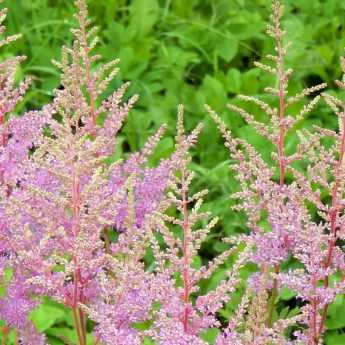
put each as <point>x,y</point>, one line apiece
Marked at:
<point>336,314</point>
<point>233,80</point>
<point>251,82</point>
<point>142,326</point>
<point>4,280</point>
<point>284,313</point>
<point>197,262</point>
<point>210,335</point>
<point>261,144</point>
<point>220,246</point>
<point>335,338</point>
<point>68,334</point>
<point>227,48</point>
<point>286,294</point>
<point>148,341</point>
<point>214,92</point>
<point>326,53</point>
<point>249,28</point>
<point>144,15</point>
<point>217,276</point>
<point>133,62</point>
<point>164,149</point>
<point>46,316</point>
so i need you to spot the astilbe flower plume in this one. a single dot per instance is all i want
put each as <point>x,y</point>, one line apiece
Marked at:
<point>282,203</point>
<point>126,297</point>
<point>183,313</point>
<point>292,230</point>
<point>126,294</point>
<point>70,198</point>
<point>317,243</point>
<point>18,135</point>
<point>131,290</point>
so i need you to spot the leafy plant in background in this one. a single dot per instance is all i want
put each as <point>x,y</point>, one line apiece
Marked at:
<point>98,250</point>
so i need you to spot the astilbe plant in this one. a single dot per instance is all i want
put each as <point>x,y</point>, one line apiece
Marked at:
<point>131,293</point>
<point>70,198</point>
<point>183,313</point>
<point>18,135</point>
<point>270,200</point>
<point>318,243</point>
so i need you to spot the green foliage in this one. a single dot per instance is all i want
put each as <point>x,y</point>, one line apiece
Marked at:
<point>336,315</point>
<point>191,52</point>
<point>47,315</point>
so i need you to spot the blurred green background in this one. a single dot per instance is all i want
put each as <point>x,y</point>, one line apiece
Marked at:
<point>191,52</point>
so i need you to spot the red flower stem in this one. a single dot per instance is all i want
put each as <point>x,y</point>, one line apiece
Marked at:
<point>314,305</point>
<point>79,323</point>
<point>90,85</point>
<point>186,235</point>
<point>281,159</point>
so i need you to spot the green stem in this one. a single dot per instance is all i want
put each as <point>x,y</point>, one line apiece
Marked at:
<point>272,301</point>
<point>76,320</point>
<point>16,342</point>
